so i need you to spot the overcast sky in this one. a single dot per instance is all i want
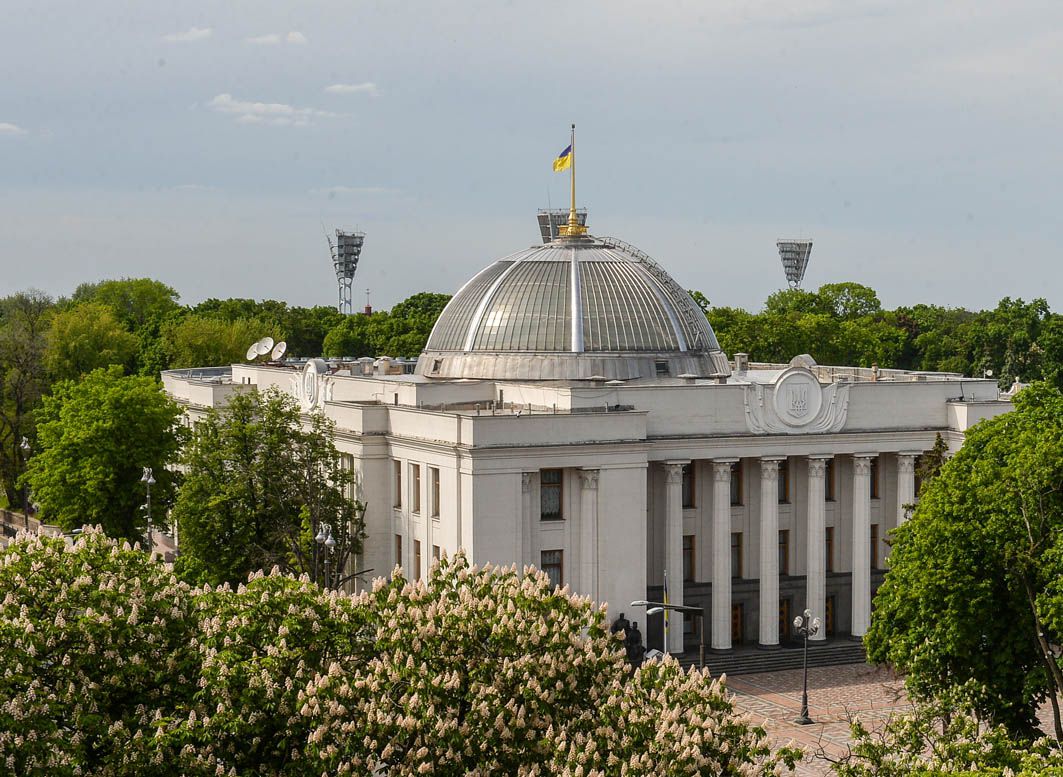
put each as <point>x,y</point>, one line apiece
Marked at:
<point>205,144</point>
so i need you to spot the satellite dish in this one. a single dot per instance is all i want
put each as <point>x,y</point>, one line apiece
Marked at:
<point>278,350</point>
<point>252,352</point>
<point>263,346</point>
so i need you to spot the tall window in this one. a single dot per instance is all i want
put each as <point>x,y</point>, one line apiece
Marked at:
<point>415,486</point>
<point>874,546</point>
<point>435,553</point>
<point>736,483</point>
<point>347,465</point>
<point>828,554</point>
<point>550,493</point>
<point>688,486</point>
<point>397,477</point>
<point>784,552</point>
<point>784,481</point>
<point>433,484</point>
<point>416,559</point>
<point>736,554</point>
<point>828,480</point>
<point>398,550</point>
<point>552,563</point>
<point>688,557</point>
<point>874,478</point>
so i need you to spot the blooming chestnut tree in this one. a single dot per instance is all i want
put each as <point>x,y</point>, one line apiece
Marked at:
<point>94,651</point>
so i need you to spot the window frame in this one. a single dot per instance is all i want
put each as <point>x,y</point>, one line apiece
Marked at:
<point>736,568</point>
<point>784,482</point>
<point>737,479</point>
<point>396,474</point>
<point>689,558</point>
<point>560,486</point>
<point>828,480</point>
<point>873,543</point>
<point>415,489</point>
<point>689,488</point>
<point>398,550</point>
<point>784,552</point>
<point>433,490</point>
<point>828,550</point>
<point>873,479</point>
<point>559,565</point>
<point>417,559</point>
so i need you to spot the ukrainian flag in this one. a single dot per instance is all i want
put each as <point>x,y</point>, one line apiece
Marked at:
<point>564,160</point>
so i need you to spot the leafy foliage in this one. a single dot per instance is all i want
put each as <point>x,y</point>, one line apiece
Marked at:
<point>94,438</point>
<point>970,598</point>
<point>86,337</point>
<point>256,482</point>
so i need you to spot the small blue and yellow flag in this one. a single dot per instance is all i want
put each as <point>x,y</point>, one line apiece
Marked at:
<point>564,160</point>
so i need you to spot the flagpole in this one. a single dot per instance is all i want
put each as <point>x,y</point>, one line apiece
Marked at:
<point>572,220</point>
<point>666,650</point>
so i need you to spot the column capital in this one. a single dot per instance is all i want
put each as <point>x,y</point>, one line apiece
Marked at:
<point>526,482</point>
<point>673,471</point>
<point>862,465</point>
<point>817,467</point>
<point>769,468</point>
<point>721,469</point>
<point>906,463</point>
<point>588,478</point>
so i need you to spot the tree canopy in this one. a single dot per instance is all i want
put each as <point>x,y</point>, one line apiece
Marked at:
<point>86,337</point>
<point>94,437</point>
<point>972,599</point>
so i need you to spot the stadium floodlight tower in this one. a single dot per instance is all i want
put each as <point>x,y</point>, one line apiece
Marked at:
<point>794,255</point>
<point>345,254</point>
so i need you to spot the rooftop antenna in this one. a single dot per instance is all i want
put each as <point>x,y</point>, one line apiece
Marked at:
<point>252,352</point>
<point>794,255</point>
<point>278,351</point>
<point>345,252</point>
<point>263,346</point>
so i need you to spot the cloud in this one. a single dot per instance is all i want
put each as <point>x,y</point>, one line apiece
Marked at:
<point>7,128</point>
<point>296,37</point>
<point>272,39</point>
<point>277,114</point>
<point>367,87</point>
<point>191,34</point>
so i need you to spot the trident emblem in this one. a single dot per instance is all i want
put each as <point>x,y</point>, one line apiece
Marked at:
<point>798,396</point>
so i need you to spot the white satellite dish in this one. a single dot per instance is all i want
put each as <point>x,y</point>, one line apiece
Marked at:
<point>264,345</point>
<point>252,352</point>
<point>278,350</point>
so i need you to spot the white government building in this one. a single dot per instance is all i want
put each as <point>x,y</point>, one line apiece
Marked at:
<point>573,410</point>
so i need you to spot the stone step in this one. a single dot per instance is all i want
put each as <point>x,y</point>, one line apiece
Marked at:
<point>746,661</point>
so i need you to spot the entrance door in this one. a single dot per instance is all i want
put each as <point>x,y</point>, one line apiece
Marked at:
<point>828,619</point>
<point>784,620</point>
<point>736,624</point>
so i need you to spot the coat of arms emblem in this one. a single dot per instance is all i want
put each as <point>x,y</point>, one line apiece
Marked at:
<point>798,396</point>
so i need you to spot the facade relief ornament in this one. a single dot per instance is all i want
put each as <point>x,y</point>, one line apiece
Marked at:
<point>526,482</point>
<point>313,387</point>
<point>796,403</point>
<point>673,473</point>
<point>588,478</point>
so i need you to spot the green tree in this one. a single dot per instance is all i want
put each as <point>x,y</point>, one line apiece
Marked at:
<point>23,325</point>
<point>350,337</point>
<point>86,337</point>
<point>134,301</point>
<point>257,483</point>
<point>96,643</point>
<point>965,599</point>
<point>201,341</point>
<point>94,438</point>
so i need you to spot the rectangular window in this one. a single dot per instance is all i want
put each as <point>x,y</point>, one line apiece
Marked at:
<point>415,488</point>
<point>661,368</point>
<point>688,486</point>
<point>347,465</point>
<point>435,553</point>
<point>874,478</point>
<point>398,550</point>
<point>550,493</point>
<point>784,552</point>
<point>736,483</point>
<point>552,563</point>
<point>433,480</point>
<point>736,554</point>
<point>828,551</point>
<point>416,559</point>
<point>397,477</point>
<point>688,557</point>
<point>784,482</point>
<point>828,480</point>
<point>874,546</point>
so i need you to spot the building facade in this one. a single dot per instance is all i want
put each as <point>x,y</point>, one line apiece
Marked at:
<point>573,411</point>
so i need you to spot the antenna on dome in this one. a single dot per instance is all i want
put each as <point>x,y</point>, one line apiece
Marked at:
<point>794,255</point>
<point>345,252</point>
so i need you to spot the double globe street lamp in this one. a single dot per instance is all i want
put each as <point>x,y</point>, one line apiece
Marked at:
<point>806,626</point>
<point>327,542</point>
<point>148,479</point>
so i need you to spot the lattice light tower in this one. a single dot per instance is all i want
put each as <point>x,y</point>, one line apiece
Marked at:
<point>794,255</point>
<point>346,252</point>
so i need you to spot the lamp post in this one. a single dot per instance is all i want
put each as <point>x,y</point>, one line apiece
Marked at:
<point>325,539</point>
<point>806,626</point>
<point>148,479</point>
<point>653,608</point>
<point>24,446</point>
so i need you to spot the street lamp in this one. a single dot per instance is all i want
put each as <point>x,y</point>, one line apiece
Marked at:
<point>24,446</point>
<point>148,479</point>
<point>659,607</point>
<point>806,626</point>
<point>328,542</point>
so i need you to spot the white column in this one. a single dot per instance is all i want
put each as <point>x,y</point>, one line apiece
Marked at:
<point>769,552</point>
<point>861,581</point>
<point>905,484</point>
<point>721,553</point>
<point>673,548</point>
<point>588,479</point>
<point>524,553</point>
<point>815,563</point>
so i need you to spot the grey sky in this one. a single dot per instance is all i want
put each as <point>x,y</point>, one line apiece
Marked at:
<point>205,143</point>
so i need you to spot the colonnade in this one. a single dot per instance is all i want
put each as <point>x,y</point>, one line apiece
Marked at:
<point>816,568</point>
